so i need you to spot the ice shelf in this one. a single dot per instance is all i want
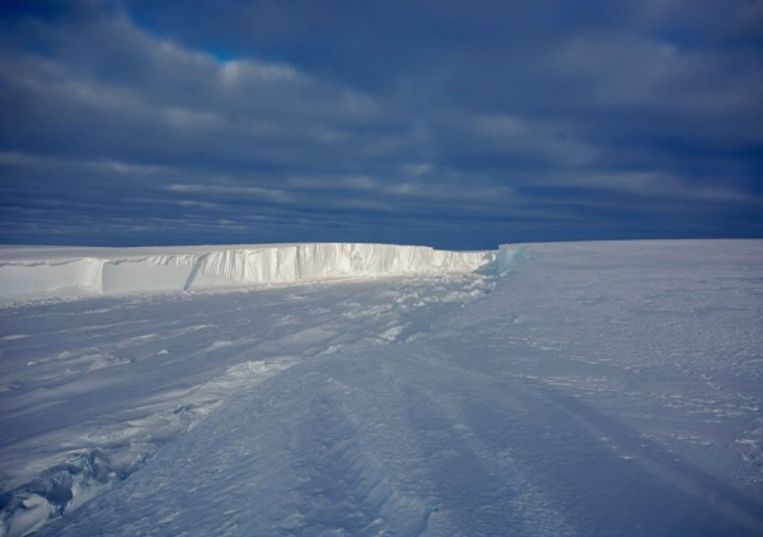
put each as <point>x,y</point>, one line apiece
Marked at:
<point>31,272</point>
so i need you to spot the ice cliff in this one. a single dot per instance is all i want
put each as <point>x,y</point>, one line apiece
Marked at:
<point>506,258</point>
<point>54,272</point>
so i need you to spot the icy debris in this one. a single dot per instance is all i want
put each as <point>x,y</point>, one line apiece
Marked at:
<point>63,487</point>
<point>55,272</point>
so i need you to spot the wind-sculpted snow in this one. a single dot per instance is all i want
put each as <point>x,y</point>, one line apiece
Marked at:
<point>52,272</point>
<point>91,389</point>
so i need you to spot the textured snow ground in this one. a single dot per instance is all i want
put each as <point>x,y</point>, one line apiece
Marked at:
<point>597,389</point>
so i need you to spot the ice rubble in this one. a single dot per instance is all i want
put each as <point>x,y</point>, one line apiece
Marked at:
<point>53,272</point>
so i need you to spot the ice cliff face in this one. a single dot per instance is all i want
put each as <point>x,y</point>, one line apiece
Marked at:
<point>505,259</point>
<point>52,272</point>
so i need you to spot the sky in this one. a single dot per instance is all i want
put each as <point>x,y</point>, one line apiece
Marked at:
<point>449,123</point>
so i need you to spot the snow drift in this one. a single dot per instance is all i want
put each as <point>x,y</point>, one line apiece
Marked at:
<point>54,272</point>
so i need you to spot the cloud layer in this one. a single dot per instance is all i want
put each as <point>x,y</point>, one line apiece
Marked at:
<point>449,123</point>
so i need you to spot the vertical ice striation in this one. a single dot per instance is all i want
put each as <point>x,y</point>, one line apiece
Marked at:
<point>506,258</point>
<point>46,272</point>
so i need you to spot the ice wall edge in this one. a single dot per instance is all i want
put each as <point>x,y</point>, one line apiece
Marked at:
<point>506,258</point>
<point>62,272</point>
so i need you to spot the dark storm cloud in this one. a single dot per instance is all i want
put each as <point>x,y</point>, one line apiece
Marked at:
<point>447,123</point>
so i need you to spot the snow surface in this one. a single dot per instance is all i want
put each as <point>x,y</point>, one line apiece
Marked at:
<point>29,272</point>
<point>595,389</point>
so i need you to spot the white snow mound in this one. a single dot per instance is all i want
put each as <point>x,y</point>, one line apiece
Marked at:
<point>54,272</point>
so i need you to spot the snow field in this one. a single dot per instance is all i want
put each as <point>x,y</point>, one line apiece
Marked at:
<point>599,389</point>
<point>102,384</point>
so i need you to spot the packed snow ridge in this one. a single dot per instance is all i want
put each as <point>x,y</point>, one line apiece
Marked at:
<point>55,272</point>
